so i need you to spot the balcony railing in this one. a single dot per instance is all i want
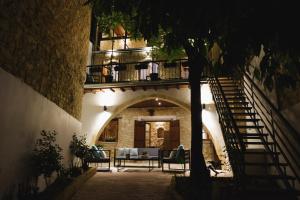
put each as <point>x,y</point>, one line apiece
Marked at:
<point>137,71</point>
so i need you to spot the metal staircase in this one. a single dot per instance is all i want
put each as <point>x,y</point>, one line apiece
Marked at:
<point>263,149</point>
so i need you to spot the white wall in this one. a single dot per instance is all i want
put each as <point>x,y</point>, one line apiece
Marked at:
<point>24,113</point>
<point>94,119</point>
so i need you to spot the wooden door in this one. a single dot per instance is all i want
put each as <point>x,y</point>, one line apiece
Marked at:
<point>174,135</point>
<point>139,134</point>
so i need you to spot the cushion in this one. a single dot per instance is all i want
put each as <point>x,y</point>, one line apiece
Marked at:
<point>120,152</point>
<point>133,152</point>
<point>180,153</point>
<point>95,152</point>
<point>102,153</point>
<point>173,154</point>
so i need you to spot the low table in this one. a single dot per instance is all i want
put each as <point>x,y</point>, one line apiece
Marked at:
<point>122,161</point>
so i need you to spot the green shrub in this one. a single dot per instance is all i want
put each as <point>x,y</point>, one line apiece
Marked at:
<point>47,155</point>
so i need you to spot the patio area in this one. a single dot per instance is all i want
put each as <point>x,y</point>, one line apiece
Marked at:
<point>134,181</point>
<point>130,183</point>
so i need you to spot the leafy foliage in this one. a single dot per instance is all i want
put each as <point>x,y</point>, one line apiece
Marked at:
<point>80,149</point>
<point>47,155</point>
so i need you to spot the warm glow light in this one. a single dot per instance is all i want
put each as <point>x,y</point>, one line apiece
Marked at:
<point>109,98</point>
<point>206,96</point>
<point>98,123</point>
<point>110,53</point>
<point>159,103</point>
<point>156,99</point>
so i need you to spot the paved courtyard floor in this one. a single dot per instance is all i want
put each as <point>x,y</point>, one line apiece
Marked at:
<point>127,184</point>
<point>130,183</point>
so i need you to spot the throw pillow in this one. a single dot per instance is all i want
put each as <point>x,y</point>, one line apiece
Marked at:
<point>95,152</point>
<point>102,153</point>
<point>120,152</point>
<point>180,154</point>
<point>133,152</point>
<point>173,154</point>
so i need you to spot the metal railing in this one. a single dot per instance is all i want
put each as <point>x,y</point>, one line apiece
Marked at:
<point>233,141</point>
<point>285,138</point>
<point>137,71</point>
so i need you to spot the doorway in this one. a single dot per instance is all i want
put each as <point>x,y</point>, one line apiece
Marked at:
<point>160,134</point>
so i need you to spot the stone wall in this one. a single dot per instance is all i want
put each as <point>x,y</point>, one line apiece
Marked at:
<point>45,43</point>
<point>126,129</point>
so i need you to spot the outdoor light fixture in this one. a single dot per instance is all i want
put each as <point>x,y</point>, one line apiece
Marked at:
<point>104,108</point>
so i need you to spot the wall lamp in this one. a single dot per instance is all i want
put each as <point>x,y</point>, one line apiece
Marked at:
<point>105,108</point>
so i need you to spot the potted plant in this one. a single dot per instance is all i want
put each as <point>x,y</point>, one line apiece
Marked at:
<point>80,150</point>
<point>143,65</point>
<point>170,64</point>
<point>154,76</point>
<point>47,156</point>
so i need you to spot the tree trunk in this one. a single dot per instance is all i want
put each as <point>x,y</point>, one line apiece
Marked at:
<point>199,172</point>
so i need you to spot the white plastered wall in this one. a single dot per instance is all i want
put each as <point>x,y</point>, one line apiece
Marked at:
<point>24,113</point>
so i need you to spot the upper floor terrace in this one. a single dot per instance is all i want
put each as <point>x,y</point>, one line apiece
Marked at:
<point>118,60</point>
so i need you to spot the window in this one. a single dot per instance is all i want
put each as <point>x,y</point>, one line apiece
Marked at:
<point>110,133</point>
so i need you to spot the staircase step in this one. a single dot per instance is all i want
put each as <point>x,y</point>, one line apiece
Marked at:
<point>261,152</point>
<point>264,164</point>
<point>253,134</point>
<point>237,102</point>
<point>226,92</point>
<point>266,193</point>
<point>246,120</point>
<point>258,142</point>
<point>240,107</point>
<point>235,98</point>
<point>249,126</point>
<point>270,177</point>
<point>243,113</point>
<point>230,85</point>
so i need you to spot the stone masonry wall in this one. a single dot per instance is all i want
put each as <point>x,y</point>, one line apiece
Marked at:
<point>126,129</point>
<point>45,43</point>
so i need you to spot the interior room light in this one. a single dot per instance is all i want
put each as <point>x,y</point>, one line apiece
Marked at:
<point>156,99</point>
<point>159,103</point>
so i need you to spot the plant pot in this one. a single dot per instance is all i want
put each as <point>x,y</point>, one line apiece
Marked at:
<point>141,66</point>
<point>109,79</point>
<point>154,76</point>
<point>170,65</point>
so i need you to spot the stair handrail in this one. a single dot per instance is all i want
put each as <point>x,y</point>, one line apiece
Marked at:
<point>235,143</point>
<point>273,132</point>
<point>240,140</point>
<point>282,118</point>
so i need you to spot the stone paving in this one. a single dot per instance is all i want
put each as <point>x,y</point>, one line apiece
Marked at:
<point>129,184</point>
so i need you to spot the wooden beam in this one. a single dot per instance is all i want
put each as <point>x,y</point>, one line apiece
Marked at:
<point>122,89</point>
<point>112,89</point>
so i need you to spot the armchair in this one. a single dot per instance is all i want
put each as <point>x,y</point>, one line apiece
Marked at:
<point>175,157</point>
<point>97,156</point>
